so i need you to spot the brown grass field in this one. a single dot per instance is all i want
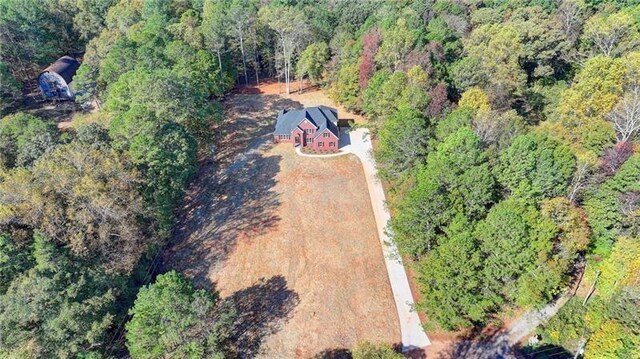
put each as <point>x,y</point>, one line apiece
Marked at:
<point>290,241</point>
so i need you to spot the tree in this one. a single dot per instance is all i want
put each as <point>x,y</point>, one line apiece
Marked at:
<point>575,233</point>
<point>536,166</point>
<point>475,99</point>
<point>611,34</point>
<point>241,17</point>
<point>311,62</point>
<point>168,159</point>
<point>89,18</point>
<point>25,138</point>
<point>543,42</point>
<point>456,180</point>
<point>10,91</point>
<point>170,318</point>
<point>516,242</point>
<point>368,350</point>
<point>606,342</point>
<point>290,25</point>
<point>43,30</point>
<point>571,16</point>
<point>402,143</point>
<point>625,116</point>
<point>59,308</point>
<point>213,29</point>
<point>13,261</point>
<point>168,96</point>
<point>451,281</point>
<point>497,129</point>
<point>493,51</point>
<point>397,41</point>
<point>94,135</point>
<point>86,199</point>
<point>345,89</point>
<point>616,156</point>
<point>371,43</point>
<point>620,269</point>
<point>609,215</point>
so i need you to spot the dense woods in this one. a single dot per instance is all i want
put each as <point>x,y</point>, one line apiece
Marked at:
<point>506,132</point>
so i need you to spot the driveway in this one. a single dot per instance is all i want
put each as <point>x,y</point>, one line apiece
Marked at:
<point>358,142</point>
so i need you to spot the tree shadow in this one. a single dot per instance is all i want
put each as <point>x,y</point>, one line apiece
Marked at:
<point>477,345</point>
<point>232,194</point>
<point>546,351</point>
<point>336,353</point>
<point>262,309</point>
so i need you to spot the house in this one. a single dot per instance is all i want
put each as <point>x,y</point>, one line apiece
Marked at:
<point>55,80</point>
<point>312,127</point>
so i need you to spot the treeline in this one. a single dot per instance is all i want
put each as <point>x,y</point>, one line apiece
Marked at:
<point>85,212</point>
<point>507,134</point>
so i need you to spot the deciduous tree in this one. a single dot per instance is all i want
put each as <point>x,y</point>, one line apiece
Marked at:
<point>171,318</point>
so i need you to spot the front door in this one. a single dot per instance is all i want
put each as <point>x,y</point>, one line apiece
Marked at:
<point>297,140</point>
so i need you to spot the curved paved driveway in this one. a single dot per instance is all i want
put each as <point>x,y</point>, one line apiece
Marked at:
<point>358,142</point>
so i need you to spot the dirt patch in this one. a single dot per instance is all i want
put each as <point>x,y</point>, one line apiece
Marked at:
<point>290,240</point>
<point>309,96</point>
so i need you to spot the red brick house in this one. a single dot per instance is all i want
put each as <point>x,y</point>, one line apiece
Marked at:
<point>312,127</point>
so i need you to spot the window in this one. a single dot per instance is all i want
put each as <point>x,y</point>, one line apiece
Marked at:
<point>320,144</point>
<point>325,135</point>
<point>285,137</point>
<point>309,131</point>
<point>310,140</point>
<point>332,144</point>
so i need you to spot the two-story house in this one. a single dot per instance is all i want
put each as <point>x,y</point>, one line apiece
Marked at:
<point>311,127</point>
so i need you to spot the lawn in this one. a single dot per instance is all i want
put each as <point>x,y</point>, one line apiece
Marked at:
<point>290,240</point>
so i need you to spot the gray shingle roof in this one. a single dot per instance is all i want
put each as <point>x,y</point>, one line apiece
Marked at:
<point>322,116</point>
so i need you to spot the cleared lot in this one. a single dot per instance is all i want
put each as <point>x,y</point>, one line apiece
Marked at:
<point>290,240</point>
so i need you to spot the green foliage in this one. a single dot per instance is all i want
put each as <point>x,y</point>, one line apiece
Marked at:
<point>451,280</point>
<point>493,53</point>
<point>10,91</point>
<point>94,135</point>
<point>368,350</point>
<point>536,166</point>
<point>516,241</point>
<point>167,96</point>
<point>575,232</point>
<point>34,33</point>
<point>567,327</point>
<point>611,34</point>
<point>312,61</point>
<point>610,208</point>
<point>455,180</point>
<point>402,143</point>
<point>458,118</point>
<point>397,42</point>
<point>13,261</point>
<point>25,138</point>
<point>345,89</point>
<point>59,308</point>
<point>87,199</point>
<point>167,158</point>
<point>170,318</point>
<point>387,93</point>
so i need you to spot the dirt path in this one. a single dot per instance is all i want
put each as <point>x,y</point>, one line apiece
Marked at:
<point>290,241</point>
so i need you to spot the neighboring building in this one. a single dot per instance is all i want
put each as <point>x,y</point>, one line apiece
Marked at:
<point>55,80</point>
<point>312,127</point>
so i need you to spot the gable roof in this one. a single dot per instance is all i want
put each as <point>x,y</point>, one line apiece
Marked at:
<point>322,117</point>
<point>65,66</point>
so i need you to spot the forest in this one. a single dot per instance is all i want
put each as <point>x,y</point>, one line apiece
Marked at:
<point>506,134</point>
